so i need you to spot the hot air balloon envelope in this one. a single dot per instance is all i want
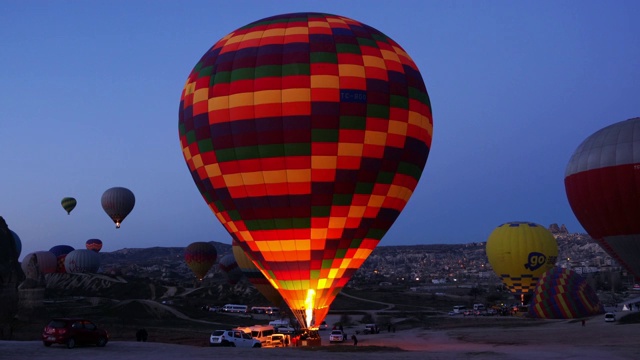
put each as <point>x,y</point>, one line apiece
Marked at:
<point>61,252</point>
<point>230,267</point>
<point>602,181</point>
<point>94,244</point>
<point>255,276</point>
<point>17,242</point>
<point>519,253</point>
<point>306,134</point>
<point>118,202</point>
<point>68,204</point>
<point>200,257</point>
<point>46,262</point>
<point>563,294</point>
<point>82,261</point>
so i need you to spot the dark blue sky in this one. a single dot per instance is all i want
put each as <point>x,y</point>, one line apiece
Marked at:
<point>90,95</point>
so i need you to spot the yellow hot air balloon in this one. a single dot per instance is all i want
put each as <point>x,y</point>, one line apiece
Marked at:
<point>255,276</point>
<point>520,252</point>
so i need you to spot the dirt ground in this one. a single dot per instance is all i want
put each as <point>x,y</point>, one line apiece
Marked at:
<point>496,338</point>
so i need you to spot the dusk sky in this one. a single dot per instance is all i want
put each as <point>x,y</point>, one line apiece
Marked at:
<point>91,89</point>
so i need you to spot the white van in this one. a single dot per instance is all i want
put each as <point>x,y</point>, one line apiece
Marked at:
<point>459,309</point>
<point>479,307</point>
<point>235,308</point>
<point>282,326</point>
<point>272,310</point>
<point>260,332</point>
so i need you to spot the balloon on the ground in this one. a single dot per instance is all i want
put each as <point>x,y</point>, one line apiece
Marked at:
<point>82,261</point>
<point>200,257</point>
<point>306,135</point>
<point>46,260</point>
<point>61,252</point>
<point>230,267</point>
<point>118,202</point>
<point>255,276</point>
<point>564,294</point>
<point>94,244</point>
<point>519,252</point>
<point>602,182</point>
<point>68,204</point>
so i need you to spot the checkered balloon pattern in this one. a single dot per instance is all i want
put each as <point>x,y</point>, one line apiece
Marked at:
<point>306,134</point>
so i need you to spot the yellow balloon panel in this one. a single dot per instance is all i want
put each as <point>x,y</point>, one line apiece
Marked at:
<point>520,252</point>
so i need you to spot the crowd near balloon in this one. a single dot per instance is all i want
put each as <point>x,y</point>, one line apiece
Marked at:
<point>306,135</point>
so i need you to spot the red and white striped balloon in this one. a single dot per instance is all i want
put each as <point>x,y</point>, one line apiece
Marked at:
<point>602,181</point>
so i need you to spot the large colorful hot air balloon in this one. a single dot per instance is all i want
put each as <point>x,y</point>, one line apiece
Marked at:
<point>200,257</point>
<point>47,262</point>
<point>602,181</point>
<point>306,134</point>
<point>519,253</point>
<point>61,252</point>
<point>118,202</point>
<point>255,276</point>
<point>68,204</point>
<point>563,294</point>
<point>82,261</point>
<point>94,244</point>
<point>229,266</point>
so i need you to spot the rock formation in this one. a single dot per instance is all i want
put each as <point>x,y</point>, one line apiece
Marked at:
<point>11,276</point>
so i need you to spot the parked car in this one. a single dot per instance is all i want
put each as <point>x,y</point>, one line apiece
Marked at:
<point>323,326</point>
<point>72,332</point>
<point>609,317</point>
<point>233,338</point>
<point>336,336</point>
<point>371,329</point>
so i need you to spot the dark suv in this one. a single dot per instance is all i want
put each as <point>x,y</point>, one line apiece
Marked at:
<point>72,332</point>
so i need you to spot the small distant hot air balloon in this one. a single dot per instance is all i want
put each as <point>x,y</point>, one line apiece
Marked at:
<point>46,260</point>
<point>69,203</point>
<point>82,261</point>
<point>229,266</point>
<point>602,181</point>
<point>519,253</point>
<point>61,252</point>
<point>564,294</point>
<point>255,276</point>
<point>306,135</point>
<point>94,245</point>
<point>118,202</point>
<point>200,257</point>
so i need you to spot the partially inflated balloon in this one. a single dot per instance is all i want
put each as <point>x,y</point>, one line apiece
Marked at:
<point>602,181</point>
<point>46,262</point>
<point>306,134</point>
<point>519,253</point>
<point>255,276</point>
<point>118,202</point>
<point>200,257</point>
<point>563,294</point>
<point>61,252</point>
<point>94,244</point>
<point>230,267</point>
<point>68,204</point>
<point>82,261</point>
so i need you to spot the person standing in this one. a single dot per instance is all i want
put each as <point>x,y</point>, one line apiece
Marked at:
<point>355,340</point>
